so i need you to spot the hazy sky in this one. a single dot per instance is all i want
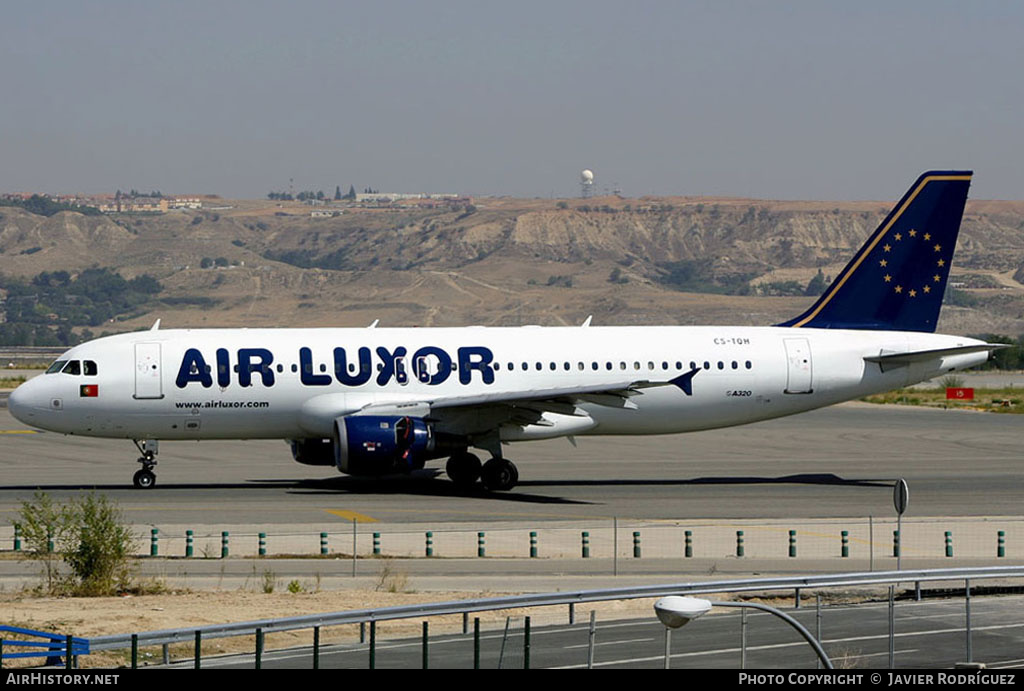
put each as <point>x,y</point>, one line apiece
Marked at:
<point>797,100</point>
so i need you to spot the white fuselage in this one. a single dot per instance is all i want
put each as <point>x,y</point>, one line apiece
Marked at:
<point>258,383</point>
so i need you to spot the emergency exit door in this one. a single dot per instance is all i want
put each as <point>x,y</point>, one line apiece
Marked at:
<point>798,366</point>
<point>147,371</point>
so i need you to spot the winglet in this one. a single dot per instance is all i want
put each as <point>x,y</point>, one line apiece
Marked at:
<point>374,324</point>
<point>156,326</point>
<point>586,322</point>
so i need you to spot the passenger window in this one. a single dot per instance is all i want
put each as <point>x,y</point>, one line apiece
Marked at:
<point>567,367</point>
<point>551,366</point>
<point>89,367</point>
<point>56,366</point>
<point>749,365</point>
<point>650,365</point>
<point>707,365</point>
<point>607,365</point>
<point>735,365</point>
<point>74,367</point>
<point>721,365</point>
<point>593,366</point>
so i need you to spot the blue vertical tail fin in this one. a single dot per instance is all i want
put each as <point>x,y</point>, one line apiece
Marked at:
<point>896,281</point>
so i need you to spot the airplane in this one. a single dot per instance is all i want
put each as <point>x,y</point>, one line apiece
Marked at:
<point>384,401</point>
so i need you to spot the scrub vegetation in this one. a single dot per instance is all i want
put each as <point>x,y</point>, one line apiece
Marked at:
<point>84,548</point>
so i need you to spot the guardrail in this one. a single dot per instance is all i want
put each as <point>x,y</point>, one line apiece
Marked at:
<point>259,628</point>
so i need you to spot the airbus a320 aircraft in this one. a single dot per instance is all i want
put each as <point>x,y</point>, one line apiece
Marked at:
<point>383,401</point>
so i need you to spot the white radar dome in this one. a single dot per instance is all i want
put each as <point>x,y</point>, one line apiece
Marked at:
<point>587,176</point>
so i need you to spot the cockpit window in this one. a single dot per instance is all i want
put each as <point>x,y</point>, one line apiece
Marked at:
<point>56,367</point>
<point>89,368</point>
<point>73,367</point>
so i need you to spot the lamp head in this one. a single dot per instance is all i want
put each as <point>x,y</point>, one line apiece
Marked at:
<point>675,611</point>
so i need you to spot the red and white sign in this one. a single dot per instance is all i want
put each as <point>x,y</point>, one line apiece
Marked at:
<point>959,393</point>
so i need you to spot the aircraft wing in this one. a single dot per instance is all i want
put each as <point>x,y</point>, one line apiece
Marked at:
<point>557,399</point>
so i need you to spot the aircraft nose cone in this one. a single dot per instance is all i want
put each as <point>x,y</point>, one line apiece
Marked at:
<point>19,403</point>
<point>16,403</point>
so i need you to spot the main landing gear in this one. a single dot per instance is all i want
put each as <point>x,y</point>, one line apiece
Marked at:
<point>496,475</point>
<point>146,478</point>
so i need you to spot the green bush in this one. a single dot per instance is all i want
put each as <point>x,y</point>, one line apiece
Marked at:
<point>89,536</point>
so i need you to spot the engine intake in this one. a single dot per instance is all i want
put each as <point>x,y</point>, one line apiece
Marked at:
<point>379,445</point>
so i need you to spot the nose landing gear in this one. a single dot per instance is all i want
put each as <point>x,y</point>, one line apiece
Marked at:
<point>146,478</point>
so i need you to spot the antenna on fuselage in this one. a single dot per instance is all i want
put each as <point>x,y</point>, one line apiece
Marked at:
<point>374,324</point>
<point>586,322</point>
<point>156,326</point>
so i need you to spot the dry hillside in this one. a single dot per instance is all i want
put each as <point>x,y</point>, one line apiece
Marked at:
<point>502,261</point>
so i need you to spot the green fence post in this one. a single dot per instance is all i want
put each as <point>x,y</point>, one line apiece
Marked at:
<point>739,543</point>
<point>17,537</point>
<point>895,543</point>
<point>224,537</point>
<point>949,543</point>
<point>430,544</point>
<point>636,545</point>
<point>846,544</point>
<point>316,647</point>
<point>188,543</point>
<point>376,544</point>
<point>792,543</point>
<point>373,644</point>
<point>135,651</point>
<point>586,545</point>
<point>199,649</point>
<point>476,642</point>
<point>526,643</point>
<point>533,544</point>
<point>263,545</point>
<point>480,546</point>
<point>154,549</point>
<point>426,659</point>
<point>1001,544</point>
<point>49,542</point>
<point>259,648</point>
<point>688,552</point>
<point>323,543</point>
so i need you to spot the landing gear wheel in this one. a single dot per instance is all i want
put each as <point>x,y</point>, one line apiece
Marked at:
<point>144,479</point>
<point>463,469</point>
<point>499,475</point>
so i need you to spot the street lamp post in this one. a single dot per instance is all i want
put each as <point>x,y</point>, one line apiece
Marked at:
<point>675,611</point>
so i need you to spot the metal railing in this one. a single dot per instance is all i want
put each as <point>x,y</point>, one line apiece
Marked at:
<point>567,598</point>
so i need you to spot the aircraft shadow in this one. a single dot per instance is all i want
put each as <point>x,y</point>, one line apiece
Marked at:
<point>424,483</point>
<point>418,484</point>
<point>802,479</point>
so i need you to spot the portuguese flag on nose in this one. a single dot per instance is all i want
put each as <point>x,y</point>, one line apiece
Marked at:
<point>88,391</point>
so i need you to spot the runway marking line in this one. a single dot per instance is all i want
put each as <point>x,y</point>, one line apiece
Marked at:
<point>18,431</point>
<point>352,516</point>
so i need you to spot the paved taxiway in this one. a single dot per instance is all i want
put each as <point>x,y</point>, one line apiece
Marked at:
<point>836,462</point>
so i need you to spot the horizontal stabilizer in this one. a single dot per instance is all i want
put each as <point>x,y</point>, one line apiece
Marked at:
<point>890,361</point>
